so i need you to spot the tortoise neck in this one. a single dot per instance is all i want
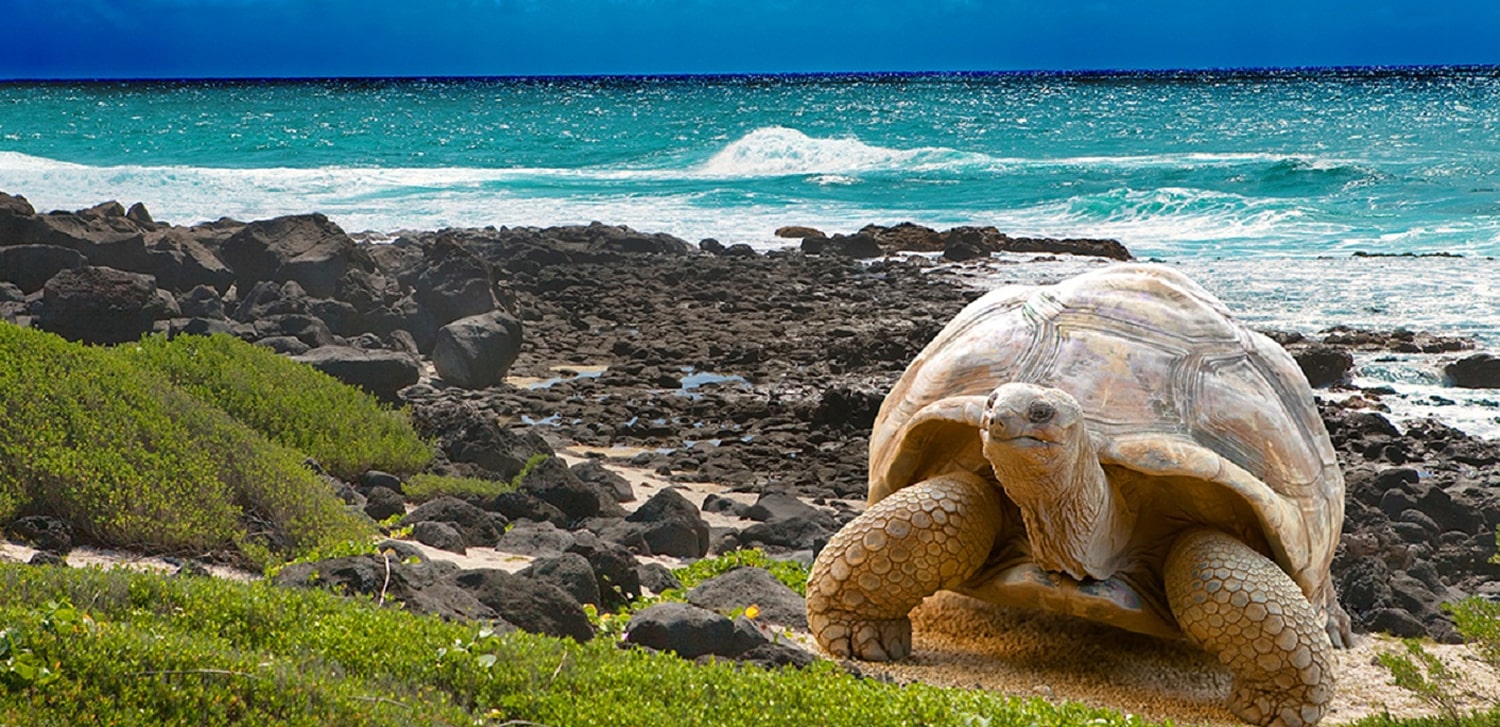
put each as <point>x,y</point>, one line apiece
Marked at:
<point>1075,521</point>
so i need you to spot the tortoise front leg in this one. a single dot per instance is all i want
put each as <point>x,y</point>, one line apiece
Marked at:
<point>1240,606</point>
<point>922,538</point>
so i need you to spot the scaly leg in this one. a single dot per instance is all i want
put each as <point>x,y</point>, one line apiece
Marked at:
<point>921,539</point>
<point>1240,606</point>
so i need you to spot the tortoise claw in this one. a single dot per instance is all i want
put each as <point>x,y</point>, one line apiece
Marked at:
<point>846,636</point>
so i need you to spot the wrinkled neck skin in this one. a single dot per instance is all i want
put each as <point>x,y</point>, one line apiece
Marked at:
<point>1075,521</point>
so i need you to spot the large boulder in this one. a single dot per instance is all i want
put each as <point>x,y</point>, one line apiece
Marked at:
<point>532,605</point>
<point>691,631</point>
<point>171,255</point>
<point>524,506</point>
<point>201,302</point>
<point>536,539</point>
<point>110,236</point>
<point>747,586</point>
<point>671,525</point>
<point>570,572</point>
<point>1479,371</point>
<point>99,305</point>
<point>617,571</point>
<point>551,481</point>
<point>592,472</point>
<point>309,249</point>
<point>477,527</point>
<point>477,351</point>
<point>474,441</point>
<point>31,266</point>
<point>382,373</point>
<point>267,298</point>
<point>1324,365</point>
<point>860,246</point>
<point>15,205</point>
<point>452,282</point>
<point>395,578</point>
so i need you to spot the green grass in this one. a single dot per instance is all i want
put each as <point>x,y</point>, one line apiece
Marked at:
<point>132,461</point>
<point>346,430</point>
<point>149,650</point>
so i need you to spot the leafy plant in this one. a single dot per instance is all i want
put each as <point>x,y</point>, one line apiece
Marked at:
<point>1478,621</point>
<point>1426,676</point>
<point>792,573</point>
<point>427,486</point>
<point>326,551</point>
<point>346,430</point>
<point>130,460</point>
<point>21,667</point>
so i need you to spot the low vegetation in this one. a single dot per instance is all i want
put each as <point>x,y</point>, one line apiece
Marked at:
<point>427,486</point>
<point>130,460</point>
<point>346,430</point>
<point>126,648</point>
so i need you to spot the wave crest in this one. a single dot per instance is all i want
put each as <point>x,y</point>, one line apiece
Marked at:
<point>777,151</point>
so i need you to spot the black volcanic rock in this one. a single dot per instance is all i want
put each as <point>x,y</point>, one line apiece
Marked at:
<point>308,249</point>
<point>1479,371</point>
<point>382,373</point>
<point>477,351</point>
<point>99,305</point>
<point>29,267</point>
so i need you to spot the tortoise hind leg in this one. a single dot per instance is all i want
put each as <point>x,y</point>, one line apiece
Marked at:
<point>1240,606</point>
<point>923,538</point>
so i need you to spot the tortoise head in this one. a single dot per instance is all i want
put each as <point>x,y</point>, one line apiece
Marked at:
<point>1036,441</point>
<point>1026,416</point>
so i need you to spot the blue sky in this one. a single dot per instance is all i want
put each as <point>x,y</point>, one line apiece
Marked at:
<point>260,38</point>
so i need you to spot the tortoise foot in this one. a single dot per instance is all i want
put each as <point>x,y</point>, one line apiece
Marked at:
<point>1240,606</point>
<point>1272,708</point>
<point>847,636</point>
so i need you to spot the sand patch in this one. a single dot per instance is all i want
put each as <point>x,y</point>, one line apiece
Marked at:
<point>88,557</point>
<point>961,642</point>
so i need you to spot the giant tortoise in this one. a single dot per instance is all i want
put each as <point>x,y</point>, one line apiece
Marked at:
<point>1115,447</point>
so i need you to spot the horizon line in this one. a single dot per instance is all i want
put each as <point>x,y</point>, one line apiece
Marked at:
<point>1378,69</point>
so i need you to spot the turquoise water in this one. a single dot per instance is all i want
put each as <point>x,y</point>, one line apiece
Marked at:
<point>1173,165</point>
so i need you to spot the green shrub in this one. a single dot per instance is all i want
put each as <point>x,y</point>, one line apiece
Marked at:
<point>792,573</point>
<point>1424,675</point>
<point>129,460</point>
<point>426,486</point>
<point>1478,620</point>
<point>165,651</point>
<point>346,430</point>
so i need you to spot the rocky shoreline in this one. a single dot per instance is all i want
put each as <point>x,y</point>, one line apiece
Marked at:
<point>697,363</point>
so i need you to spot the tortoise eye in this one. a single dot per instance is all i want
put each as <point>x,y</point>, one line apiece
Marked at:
<point>1040,412</point>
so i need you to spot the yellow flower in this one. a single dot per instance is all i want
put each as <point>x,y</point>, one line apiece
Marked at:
<point>752,611</point>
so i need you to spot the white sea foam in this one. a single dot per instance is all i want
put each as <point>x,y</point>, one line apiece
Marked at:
<point>782,151</point>
<point>779,151</point>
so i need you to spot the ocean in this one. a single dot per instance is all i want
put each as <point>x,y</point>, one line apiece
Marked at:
<point>1262,184</point>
